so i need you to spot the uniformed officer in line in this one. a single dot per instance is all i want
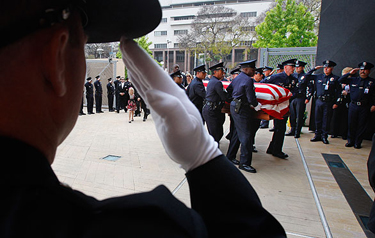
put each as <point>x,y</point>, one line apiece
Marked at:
<point>123,95</point>
<point>176,68</point>
<point>98,95</point>
<point>255,122</point>
<point>234,73</point>
<point>110,94</point>
<point>328,90</point>
<point>215,98</point>
<point>267,71</point>
<point>81,113</point>
<point>116,83</point>
<point>299,100</point>
<point>362,94</point>
<point>279,68</point>
<point>288,81</point>
<point>89,95</point>
<point>243,95</point>
<point>196,91</point>
<point>177,78</point>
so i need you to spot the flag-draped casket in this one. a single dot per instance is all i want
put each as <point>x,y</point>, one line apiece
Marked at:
<point>274,100</point>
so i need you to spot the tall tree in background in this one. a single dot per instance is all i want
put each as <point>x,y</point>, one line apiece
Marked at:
<point>215,31</point>
<point>288,24</point>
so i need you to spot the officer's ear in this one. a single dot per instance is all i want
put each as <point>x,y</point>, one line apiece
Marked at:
<point>54,54</point>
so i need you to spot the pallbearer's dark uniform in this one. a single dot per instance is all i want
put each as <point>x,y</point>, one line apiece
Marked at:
<point>98,94</point>
<point>288,82</point>
<point>297,104</point>
<point>215,98</point>
<point>110,94</point>
<point>196,91</point>
<point>116,83</point>
<point>327,90</point>
<point>243,94</point>
<point>89,95</point>
<point>362,94</point>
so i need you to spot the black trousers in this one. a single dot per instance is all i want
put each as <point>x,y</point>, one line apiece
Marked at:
<point>323,114</point>
<point>297,111</point>
<point>110,102</point>
<point>358,119</point>
<point>277,142</point>
<point>215,120</point>
<point>98,102</point>
<point>90,103</point>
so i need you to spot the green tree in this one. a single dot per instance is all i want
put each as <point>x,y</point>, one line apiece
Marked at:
<point>288,24</point>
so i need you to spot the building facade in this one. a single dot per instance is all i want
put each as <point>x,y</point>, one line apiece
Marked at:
<point>178,16</point>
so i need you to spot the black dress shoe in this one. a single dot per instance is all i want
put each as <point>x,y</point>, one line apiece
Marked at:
<point>247,168</point>
<point>290,134</point>
<point>91,113</point>
<point>297,136</point>
<point>144,119</point>
<point>82,113</point>
<point>349,144</point>
<point>334,136</point>
<point>281,155</point>
<point>344,138</point>
<point>325,140</point>
<point>234,161</point>
<point>357,146</point>
<point>268,151</point>
<point>272,129</point>
<point>316,138</point>
<point>255,149</point>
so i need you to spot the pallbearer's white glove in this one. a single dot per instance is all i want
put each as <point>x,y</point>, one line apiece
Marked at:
<point>177,120</point>
<point>258,107</point>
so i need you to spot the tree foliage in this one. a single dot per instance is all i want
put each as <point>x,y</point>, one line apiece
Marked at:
<point>288,24</point>
<point>215,31</point>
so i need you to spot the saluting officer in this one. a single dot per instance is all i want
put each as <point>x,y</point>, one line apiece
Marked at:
<point>89,95</point>
<point>299,100</point>
<point>116,83</point>
<point>177,78</point>
<point>243,94</point>
<point>196,91</point>
<point>110,94</point>
<point>362,93</point>
<point>215,96</point>
<point>288,81</point>
<point>98,95</point>
<point>328,90</point>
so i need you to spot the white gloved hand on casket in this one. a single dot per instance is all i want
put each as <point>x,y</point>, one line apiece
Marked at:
<point>178,122</point>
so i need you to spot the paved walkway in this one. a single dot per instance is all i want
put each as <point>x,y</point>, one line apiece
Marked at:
<point>282,185</point>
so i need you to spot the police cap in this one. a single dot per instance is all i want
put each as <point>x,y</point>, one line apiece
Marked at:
<point>291,62</point>
<point>110,79</point>
<point>88,79</point>
<point>200,68</point>
<point>118,77</point>
<point>279,66</point>
<point>300,63</point>
<point>329,63</point>
<point>235,70</point>
<point>134,18</point>
<point>248,64</point>
<point>365,65</point>
<point>219,66</point>
<point>176,74</point>
<point>267,68</point>
<point>259,70</point>
<point>97,77</point>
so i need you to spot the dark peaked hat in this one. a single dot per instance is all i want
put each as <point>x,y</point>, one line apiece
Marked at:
<point>329,63</point>
<point>88,79</point>
<point>200,68</point>
<point>236,70</point>
<point>291,62</point>
<point>176,74</point>
<point>217,66</point>
<point>248,64</point>
<point>365,65</point>
<point>300,63</point>
<point>103,20</point>
<point>267,68</point>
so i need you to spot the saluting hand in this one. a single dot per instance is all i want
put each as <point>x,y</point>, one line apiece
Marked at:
<point>176,118</point>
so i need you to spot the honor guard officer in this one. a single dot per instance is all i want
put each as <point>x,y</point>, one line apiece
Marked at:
<point>177,78</point>
<point>328,90</point>
<point>267,71</point>
<point>298,101</point>
<point>362,94</point>
<point>286,80</point>
<point>215,98</point>
<point>89,95</point>
<point>196,91</point>
<point>110,94</point>
<point>234,73</point>
<point>243,95</point>
<point>98,95</point>
<point>116,83</point>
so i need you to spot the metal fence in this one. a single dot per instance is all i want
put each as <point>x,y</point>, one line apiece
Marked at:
<point>273,56</point>
<point>106,69</point>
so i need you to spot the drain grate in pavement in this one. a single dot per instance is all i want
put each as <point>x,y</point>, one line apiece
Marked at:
<point>111,157</point>
<point>355,195</point>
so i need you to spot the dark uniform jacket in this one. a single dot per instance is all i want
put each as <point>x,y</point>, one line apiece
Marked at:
<point>283,80</point>
<point>196,92</point>
<point>362,91</point>
<point>326,87</point>
<point>110,89</point>
<point>35,204</point>
<point>98,88</point>
<point>242,87</point>
<point>89,89</point>
<point>302,86</point>
<point>215,91</point>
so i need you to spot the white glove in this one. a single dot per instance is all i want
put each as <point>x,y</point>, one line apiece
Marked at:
<point>257,108</point>
<point>178,122</point>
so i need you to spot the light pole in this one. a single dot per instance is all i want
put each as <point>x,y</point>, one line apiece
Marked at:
<point>168,41</point>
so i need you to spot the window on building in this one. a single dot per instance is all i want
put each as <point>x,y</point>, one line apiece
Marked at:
<point>163,20</point>
<point>246,43</point>
<point>181,18</point>
<point>248,28</point>
<point>160,33</point>
<point>176,45</point>
<point>239,55</point>
<point>180,32</point>
<point>160,46</point>
<point>248,14</point>
<point>158,55</point>
<point>180,56</point>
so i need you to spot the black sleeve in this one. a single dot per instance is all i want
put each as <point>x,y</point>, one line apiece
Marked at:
<point>199,89</point>
<point>220,91</point>
<point>228,203</point>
